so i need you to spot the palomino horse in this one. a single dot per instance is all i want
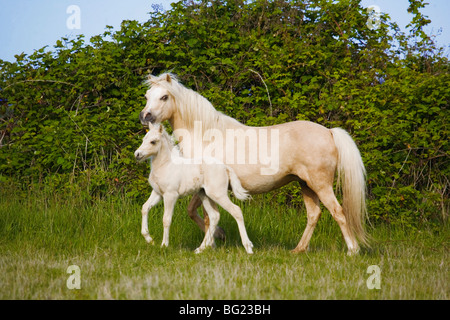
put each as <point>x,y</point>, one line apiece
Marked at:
<point>173,176</point>
<point>296,151</point>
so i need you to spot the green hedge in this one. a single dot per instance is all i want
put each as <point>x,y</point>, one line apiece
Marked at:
<point>72,113</point>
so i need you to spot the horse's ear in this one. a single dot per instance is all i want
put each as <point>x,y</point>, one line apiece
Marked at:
<point>168,78</point>
<point>150,126</point>
<point>151,79</point>
<point>160,128</point>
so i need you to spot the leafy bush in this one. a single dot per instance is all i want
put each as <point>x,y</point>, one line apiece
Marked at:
<point>72,113</point>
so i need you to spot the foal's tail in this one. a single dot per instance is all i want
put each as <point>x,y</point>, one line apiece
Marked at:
<point>351,180</point>
<point>236,185</point>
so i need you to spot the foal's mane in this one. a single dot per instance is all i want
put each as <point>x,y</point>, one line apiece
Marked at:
<point>170,140</point>
<point>191,105</point>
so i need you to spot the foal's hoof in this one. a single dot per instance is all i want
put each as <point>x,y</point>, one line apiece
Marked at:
<point>149,240</point>
<point>164,245</point>
<point>249,248</point>
<point>219,234</point>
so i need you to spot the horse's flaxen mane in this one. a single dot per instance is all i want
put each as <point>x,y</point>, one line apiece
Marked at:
<point>191,105</point>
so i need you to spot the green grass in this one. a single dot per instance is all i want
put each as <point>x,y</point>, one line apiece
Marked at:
<point>42,234</point>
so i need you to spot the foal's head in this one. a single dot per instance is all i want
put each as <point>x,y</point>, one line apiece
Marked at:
<point>151,143</point>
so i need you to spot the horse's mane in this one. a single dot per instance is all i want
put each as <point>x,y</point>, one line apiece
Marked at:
<point>191,105</point>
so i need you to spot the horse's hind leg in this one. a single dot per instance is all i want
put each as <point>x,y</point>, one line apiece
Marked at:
<point>192,211</point>
<point>195,203</point>
<point>313,214</point>
<point>328,198</point>
<point>212,216</point>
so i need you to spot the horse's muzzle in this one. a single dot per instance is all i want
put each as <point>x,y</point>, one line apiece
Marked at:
<point>145,118</point>
<point>139,156</point>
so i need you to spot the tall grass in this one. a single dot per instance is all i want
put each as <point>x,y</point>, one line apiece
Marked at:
<point>42,232</point>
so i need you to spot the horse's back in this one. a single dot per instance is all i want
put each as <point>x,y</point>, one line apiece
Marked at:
<point>307,143</point>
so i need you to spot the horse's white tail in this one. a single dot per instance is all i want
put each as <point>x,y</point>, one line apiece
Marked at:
<point>351,180</point>
<point>236,185</point>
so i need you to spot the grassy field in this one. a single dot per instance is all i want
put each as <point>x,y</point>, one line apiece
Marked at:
<point>42,234</point>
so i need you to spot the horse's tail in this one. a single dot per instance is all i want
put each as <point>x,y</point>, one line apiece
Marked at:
<point>351,180</point>
<point>236,185</point>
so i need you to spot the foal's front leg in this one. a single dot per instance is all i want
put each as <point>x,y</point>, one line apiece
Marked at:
<point>151,202</point>
<point>169,203</point>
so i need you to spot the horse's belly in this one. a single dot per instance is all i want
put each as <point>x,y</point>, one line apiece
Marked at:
<point>256,183</point>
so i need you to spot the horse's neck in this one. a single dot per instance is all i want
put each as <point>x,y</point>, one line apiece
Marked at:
<point>180,127</point>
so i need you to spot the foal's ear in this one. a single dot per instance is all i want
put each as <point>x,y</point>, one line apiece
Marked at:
<point>160,128</point>
<point>150,125</point>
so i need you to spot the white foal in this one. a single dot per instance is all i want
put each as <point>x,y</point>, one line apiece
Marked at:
<point>173,176</point>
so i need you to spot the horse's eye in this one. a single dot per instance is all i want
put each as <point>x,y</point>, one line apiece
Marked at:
<point>153,142</point>
<point>164,97</point>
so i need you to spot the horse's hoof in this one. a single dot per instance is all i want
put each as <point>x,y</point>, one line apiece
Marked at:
<point>219,234</point>
<point>354,252</point>
<point>299,250</point>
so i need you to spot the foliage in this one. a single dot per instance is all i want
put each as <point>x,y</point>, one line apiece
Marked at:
<point>72,113</point>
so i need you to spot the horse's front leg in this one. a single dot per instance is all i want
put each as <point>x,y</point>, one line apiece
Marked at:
<point>151,202</point>
<point>194,204</point>
<point>169,203</point>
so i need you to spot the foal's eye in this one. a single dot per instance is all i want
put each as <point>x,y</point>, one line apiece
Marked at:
<point>164,97</point>
<point>153,142</point>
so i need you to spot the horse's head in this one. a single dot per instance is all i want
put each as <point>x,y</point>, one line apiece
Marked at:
<point>151,143</point>
<point>160,102</point>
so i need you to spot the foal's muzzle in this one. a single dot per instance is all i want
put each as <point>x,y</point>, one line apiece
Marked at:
<point>146,117</point>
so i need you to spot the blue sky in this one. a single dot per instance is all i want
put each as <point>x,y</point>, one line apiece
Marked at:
<point>27,25</point>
